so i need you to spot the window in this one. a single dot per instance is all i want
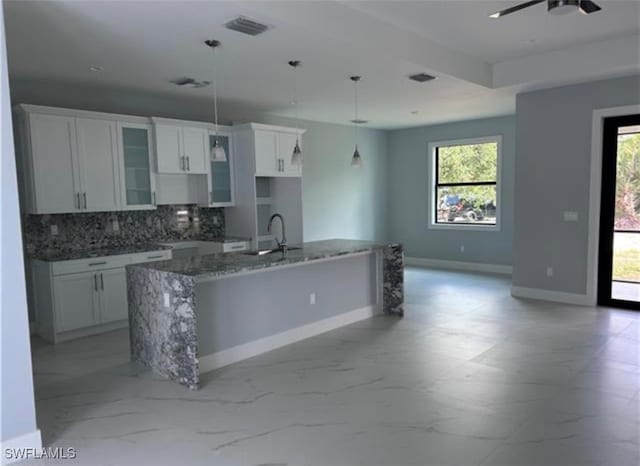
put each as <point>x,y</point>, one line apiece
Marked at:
<point>465,184</point>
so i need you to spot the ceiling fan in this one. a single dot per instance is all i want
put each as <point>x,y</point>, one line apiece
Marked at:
<point>556,7</point>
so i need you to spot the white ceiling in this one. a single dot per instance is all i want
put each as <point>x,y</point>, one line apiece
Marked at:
<point>144,44</point>
<point>465,25</point>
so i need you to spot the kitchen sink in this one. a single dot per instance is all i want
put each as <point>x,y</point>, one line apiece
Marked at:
<point>265,252</point>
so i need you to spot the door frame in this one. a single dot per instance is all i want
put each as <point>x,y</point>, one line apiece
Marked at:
<point>595,192</point>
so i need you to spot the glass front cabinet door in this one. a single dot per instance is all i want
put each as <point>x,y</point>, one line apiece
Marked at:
<point>221,175</point>
<point>137,177</point>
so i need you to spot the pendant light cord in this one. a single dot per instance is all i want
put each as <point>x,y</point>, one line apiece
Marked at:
<point>215,91</point>
<point>355,82</point>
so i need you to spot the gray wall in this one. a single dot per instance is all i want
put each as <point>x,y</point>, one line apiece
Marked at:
<point>243,309</point>
<point>338,201</point>
<point>552,174</point>
<point>408,188</point>
<point>17,405</point>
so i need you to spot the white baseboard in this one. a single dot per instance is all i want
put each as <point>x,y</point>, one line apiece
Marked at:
<point>549,295</point>
<point>248,350</point>
<point>458,265</point>
<point>31,440</point>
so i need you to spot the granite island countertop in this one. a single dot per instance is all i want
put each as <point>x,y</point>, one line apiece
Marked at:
<point>213,266</point>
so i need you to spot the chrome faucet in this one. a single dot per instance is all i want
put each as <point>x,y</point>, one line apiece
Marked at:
<point>282,245</point>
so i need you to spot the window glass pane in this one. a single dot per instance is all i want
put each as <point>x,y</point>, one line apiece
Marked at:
<point>466,204</point>
<point>468,163</point>
<point>627,213</point>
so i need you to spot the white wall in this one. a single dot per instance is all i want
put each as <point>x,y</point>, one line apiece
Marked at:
<point>17,408</point>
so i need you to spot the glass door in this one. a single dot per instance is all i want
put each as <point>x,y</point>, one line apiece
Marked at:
<point>221,178</point>
<point>139,181</point>
<point>619,260</point>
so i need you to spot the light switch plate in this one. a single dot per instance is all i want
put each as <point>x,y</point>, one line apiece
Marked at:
<point>115,224</point>
<point>54,230</point>
<point>570,216</point>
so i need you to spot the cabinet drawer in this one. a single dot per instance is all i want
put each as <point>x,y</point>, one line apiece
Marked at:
<point>88,265</point>
<point>151,256</point>
<point>107,262</point>
<point>235,246</point>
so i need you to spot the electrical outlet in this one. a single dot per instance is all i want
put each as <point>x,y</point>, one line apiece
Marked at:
<point>462,248</point>
<point>167,300</point>
<point>312,298</point>
<point>115,224</point>
<point>54,230</point>
<point>549,271</point>
<point>216,220</point>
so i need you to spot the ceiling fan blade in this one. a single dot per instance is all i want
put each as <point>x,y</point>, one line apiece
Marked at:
<point>587,6</point>
<point>513,9</point>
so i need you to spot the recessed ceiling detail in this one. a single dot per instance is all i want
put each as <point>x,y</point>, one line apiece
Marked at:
<point>247,26</point>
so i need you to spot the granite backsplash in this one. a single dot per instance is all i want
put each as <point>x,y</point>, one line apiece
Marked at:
<point>96,230</point>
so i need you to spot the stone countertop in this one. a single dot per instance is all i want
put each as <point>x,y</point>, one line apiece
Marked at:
<point>66,254</point>
<point>73,254</point>
<point>219,265</point>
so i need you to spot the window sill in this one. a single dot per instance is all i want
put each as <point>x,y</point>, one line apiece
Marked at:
<point>463,227</point>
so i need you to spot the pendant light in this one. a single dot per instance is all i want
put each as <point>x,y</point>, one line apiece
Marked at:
<point>356,160</point>
<point>218,153</point>
<point>296,156</point>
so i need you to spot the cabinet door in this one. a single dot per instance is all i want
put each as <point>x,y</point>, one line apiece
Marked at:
<point>76,301</point>
<point>98,155</point>
<point>266,152</point>
<point>194,148</point>
<point>221,177</point>
<point>286,143</point>
<point>55,163</point>
<point>168,150</point>
<point>113,295</point>
<point>137,180</point>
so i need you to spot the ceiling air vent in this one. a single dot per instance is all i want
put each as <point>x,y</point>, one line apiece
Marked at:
<point>247,26</point>
<point>422,77</point>
<point>190,83</point>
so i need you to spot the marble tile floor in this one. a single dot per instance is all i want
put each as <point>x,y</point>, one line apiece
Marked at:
<point>470,376</point>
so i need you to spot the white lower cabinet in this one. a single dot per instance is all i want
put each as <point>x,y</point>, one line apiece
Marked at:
<point>113,295</point>
<point>82,297</point>
<point>90,298</point>
<point>76,300</point>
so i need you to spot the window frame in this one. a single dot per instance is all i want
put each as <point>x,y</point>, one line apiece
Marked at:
<point>432,187</point>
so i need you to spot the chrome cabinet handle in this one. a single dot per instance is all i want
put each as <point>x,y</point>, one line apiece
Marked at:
<point>155,257</point>
<point>188,164</point>
<point>211,197</point>
<point>97,263</point>
<point>239,246</point>
<point>181,162</point>
<point>154,198</point>
<point>95,282</point>
<point>101,282</point>
<point>84,195</point>
<point>78,199</point>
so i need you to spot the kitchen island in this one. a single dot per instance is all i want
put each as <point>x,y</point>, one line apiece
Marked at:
<point>197,314</point>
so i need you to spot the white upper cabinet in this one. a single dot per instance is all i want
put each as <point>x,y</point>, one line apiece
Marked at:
<point>266,152</point>
<point>194,146</point>
<point>286,143</point>
<point>271,147</point>
<point>49,162</point>
<point>181,148</point>
<point>76,161</point>
<point>100,171</point>
<point>137,179</point>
